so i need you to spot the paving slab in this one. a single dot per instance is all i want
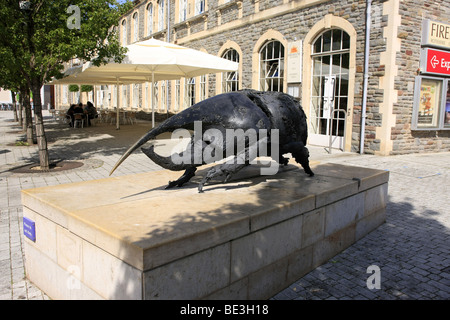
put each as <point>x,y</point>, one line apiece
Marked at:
<point>416,233</point>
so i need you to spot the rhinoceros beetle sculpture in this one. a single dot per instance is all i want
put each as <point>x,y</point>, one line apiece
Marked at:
<point>277,119</point>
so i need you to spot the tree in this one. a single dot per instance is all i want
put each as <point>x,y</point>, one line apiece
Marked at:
<point>42,35</point>
<point>10,81</point>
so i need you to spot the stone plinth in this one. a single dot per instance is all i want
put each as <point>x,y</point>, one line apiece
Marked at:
<point>128,238</point>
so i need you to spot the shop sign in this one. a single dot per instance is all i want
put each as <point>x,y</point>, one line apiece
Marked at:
<point>436,34</point>
<point>295,56</point>
<point>435,62</point>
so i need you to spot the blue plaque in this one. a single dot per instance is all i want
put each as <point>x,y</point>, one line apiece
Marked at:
<point>29,229</point>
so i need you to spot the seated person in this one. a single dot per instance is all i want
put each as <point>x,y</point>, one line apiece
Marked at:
<point>91,112</point>
<point>70,114</point>
<point>79,108</point>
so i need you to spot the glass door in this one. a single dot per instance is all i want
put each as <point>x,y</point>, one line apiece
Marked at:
<point>329,94</point>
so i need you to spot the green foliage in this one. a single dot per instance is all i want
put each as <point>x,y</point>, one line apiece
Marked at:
<point>86,88</point>
<point>74,88</point>
<point>37,43</point>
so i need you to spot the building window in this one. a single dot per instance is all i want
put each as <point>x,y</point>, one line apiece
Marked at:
<point>431,104</point>
<point>177,95</point>
<point>155,96</point>
<point>124,32</point>
<point>115,93</point>
<point>182,10</point>
<point>191,91</point>
<point>135,27</point>
<point>199,6</point>
<point>230,80</point>
<point>271,66</point>
<point>161,15</point>
<point>330,82</point>
<point>163,96</point>
<point>124,96</point>
<point>150,19</point>
<point>65,94</point>
<point>203,94</point>
<point>135,96</point>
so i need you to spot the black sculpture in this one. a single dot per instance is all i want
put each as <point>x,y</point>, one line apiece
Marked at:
<point>265,113</point>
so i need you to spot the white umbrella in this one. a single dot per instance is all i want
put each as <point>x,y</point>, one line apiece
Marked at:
<point>151,60</point>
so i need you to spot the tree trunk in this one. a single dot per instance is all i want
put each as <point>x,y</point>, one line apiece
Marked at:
<point>28,123</point>
<point>20,110</point>
<point>13,98</point>
<point>40,132</point>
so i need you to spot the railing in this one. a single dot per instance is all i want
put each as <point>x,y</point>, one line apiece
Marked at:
<point>337,128</point>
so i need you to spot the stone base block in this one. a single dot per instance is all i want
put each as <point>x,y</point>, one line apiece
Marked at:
<point>128,238</point>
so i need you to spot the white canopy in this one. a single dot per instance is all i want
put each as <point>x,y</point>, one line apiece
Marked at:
<point>149,61</point>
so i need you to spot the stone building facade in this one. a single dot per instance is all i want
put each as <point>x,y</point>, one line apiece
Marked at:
<point>313,50</point>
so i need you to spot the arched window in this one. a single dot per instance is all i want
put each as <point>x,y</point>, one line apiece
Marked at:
<point>271,57</point>
<point>124,32</point>
<point>330,82</point>
<point>149,19</point>
<point>230,80</point>
<point>135,27</point>
<point>161,15</point>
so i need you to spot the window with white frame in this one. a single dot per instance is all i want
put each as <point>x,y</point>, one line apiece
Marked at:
<point>330,82</point>
<point>191,91</point>
<point>135,27</point>
<point>161,15</point>
<point>124,32</point>
<point>135,96</point>
<point>182,10</point>
<point>163,95</point>
<point>115,93</point>
<point>271,57</point>
<point>199,6</point>
<point>149,19</point>
<point>155,95</point>
<point>124,96</point>
<point>147,96</point>
<point>177,95</point>
<point>106,95</point>
<point>230,80</point>
<point>203,94</point>
<point>65,94</point>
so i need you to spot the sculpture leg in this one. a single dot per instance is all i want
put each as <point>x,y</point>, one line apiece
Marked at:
<point>187,175</point>
<point>283,160</point>
<point>240,161</point>
<point>225,169</point>
<point>301,156</point>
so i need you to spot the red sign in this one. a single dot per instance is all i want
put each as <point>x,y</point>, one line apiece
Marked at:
<point>437,61</point>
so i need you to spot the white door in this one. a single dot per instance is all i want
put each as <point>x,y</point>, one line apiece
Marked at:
<point>329,89</point>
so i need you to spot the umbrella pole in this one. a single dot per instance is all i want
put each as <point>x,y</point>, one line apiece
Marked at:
<point>117,111</point>
<point>153,98</point>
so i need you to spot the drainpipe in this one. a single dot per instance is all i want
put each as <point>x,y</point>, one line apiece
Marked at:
<point>366,74</point>
<point>168,41</point>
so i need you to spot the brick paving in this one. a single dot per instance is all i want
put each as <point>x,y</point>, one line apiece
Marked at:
<point>411,249</point>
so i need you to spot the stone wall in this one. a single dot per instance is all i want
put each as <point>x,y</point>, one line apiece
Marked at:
<point>295,25</point>
<point>383,123</point>
<point>405,140</point>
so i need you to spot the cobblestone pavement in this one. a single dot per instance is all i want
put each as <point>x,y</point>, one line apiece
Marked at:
<point>410,251</point>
